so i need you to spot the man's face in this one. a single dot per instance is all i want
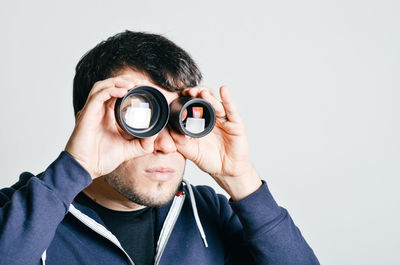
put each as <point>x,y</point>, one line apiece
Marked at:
<point>152,179</point>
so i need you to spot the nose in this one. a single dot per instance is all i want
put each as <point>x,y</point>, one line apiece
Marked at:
<point>164,142</point>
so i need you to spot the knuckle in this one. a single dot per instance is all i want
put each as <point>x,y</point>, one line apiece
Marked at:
<point>96,84</point>
<point>118,79</point>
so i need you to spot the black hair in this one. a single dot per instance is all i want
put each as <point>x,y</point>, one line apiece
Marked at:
<point>167,65</point>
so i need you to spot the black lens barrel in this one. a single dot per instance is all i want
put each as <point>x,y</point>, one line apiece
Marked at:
<point>159,116</point>
<point>181,107</point>
<point>179,114</point>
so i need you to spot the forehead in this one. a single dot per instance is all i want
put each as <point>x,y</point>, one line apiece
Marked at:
<point>143,79</point>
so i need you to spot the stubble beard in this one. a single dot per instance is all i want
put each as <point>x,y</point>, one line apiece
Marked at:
<point>133,192</point>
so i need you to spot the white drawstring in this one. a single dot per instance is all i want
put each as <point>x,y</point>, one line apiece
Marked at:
<point>44,257</point>
<point>195,213</point>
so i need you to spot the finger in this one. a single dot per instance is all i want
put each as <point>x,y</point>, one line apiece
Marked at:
<point>191,92</point>
<point>209,89</point>
<point>195,91</point>
<point>230,108</point>
<point>111,82</point>
<point>110,111</point>
<point>215,103</point>
<point>185,92</point>
<point>123,81</point>
<point>212,92</point>
<point>138,147</point>
<point>148,143</point>
<point>185,145</point>
<point>111,103</point>
<point>96,101</point>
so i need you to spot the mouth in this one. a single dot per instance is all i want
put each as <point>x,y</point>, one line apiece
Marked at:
<point>160,173</point>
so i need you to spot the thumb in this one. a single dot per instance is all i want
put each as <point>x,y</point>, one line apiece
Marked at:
<point>186,145</point>
<point>138,147</point>
<point>148,143</point>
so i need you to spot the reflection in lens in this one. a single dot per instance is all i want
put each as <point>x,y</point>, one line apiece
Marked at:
<point>194,123</point>
<point>136,111</point>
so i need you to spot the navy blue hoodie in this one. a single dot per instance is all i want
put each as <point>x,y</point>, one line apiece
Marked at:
<point>41,224</point>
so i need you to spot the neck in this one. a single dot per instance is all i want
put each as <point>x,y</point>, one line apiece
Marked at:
<point>105,195</point>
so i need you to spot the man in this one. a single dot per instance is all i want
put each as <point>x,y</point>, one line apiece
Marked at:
<point>110,198</point>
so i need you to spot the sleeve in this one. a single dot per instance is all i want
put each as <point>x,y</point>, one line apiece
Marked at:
<point>261,232</point>
<point>31,209</point>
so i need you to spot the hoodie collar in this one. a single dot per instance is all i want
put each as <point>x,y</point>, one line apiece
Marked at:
<point>161,212</point>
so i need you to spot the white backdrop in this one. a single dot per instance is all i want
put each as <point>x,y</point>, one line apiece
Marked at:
<point>317,83</point>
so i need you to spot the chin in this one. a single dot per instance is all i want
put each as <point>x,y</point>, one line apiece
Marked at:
<point>146,193</point>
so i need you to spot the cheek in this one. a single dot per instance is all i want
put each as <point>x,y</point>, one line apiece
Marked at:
<point>178,162</point>
<point>138,163</point>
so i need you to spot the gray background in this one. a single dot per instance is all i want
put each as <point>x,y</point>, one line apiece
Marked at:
<point>315,81</point>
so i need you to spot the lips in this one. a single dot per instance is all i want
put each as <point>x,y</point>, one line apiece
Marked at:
<point>160,173</point>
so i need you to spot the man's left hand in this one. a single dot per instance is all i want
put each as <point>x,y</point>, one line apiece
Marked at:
<point>224,152</point>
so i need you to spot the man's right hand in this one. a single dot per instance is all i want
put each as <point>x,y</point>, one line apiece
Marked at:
<point>97,142</point>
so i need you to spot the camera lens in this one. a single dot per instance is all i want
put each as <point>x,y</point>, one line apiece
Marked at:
<point>192,116</point>
<point>143,112</point>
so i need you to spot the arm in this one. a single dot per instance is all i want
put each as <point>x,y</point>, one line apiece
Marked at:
<point>254,221</point>
<point>269,232</point>
<point>31,209</point>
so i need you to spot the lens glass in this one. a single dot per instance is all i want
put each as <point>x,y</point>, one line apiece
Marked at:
<point>194,118</point>
<point>137,111</point>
